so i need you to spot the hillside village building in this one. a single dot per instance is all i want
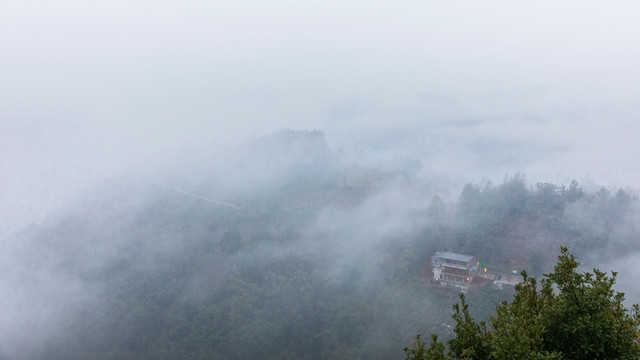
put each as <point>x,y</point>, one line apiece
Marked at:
<point>454,269</point>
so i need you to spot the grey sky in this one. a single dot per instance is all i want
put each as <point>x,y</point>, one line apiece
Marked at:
<point>94,90</point>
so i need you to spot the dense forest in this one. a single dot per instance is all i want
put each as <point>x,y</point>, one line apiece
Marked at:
<point>291,250</point>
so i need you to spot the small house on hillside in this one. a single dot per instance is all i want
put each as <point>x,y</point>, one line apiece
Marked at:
<point>454,269</point>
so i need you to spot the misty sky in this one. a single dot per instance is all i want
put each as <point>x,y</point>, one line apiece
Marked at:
<point>97,90</point>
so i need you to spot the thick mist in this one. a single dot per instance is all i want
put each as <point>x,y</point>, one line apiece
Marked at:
<point>145,173</point>
<point>284,200</point>
<point>95,91</point>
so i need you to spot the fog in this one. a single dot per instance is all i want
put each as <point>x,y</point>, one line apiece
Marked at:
<point>92,91</point>
<point>156,97</point>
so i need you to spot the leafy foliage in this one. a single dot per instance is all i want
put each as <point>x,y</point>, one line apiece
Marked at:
<point>472,340</point>
<point>418,350</point>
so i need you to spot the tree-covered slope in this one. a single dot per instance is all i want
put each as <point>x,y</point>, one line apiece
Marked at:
<point>284,251</point>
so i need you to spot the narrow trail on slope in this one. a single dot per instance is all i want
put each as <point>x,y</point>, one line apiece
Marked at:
<point>219,202</point>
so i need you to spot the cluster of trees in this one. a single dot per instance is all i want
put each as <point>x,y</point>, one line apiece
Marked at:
<point>195,281</point>
<point>572,315</point>
<point>516,226</point>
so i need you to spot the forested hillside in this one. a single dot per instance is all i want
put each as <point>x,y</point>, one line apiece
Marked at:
<point>289,250</point>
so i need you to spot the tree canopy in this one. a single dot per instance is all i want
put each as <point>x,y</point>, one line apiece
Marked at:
<point>571,315</point>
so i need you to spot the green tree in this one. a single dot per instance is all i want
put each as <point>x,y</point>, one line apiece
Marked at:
<point>419,350</point>
<point>585,317</point>
<point>518,327</point>
<point>572,315</point>
<point>472,340</point>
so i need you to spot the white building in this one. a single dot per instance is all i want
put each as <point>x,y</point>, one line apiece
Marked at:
<point>454,269</point>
